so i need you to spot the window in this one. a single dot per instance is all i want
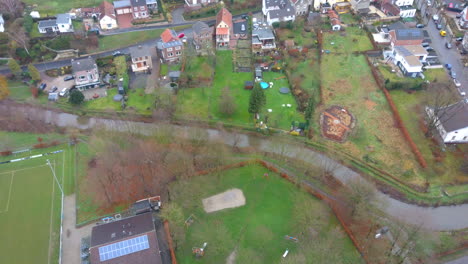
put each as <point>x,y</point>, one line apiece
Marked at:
<point>453,138</point>
<point>178,52</point>
<point>63,26</point>
<point>170,54</point>
<point>82,77</point>
<point>177,48</point>
<point>135,8</point>
<point>146,57</point>
<point>142,8</point>
<point>109,25</point>
<point>143,14</point>
<point>169,49</point>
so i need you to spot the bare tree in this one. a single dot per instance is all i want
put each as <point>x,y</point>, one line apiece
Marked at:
<point>17,33</point>
<point>360,196</point>
<point>438,97</point>
<point>13,7</point>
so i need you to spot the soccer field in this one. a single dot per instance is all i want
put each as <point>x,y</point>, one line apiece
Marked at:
<point>30,205</point>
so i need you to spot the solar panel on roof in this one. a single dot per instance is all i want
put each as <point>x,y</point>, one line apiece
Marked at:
<point>123,248</point>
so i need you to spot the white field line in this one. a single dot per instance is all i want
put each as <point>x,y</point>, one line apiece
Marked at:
<point>9,193</point>
<point>51,217</point>
<point>23,169</point>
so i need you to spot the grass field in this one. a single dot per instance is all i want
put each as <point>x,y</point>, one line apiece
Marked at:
<point>53,7</point>
<point>203,103</point>
<point>30,206</point>
<point>353,39</point>
<point>274,208</point>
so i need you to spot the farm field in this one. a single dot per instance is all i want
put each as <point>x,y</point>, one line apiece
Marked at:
<point>203,103</point>
<point>30,206</point>
<point>255,232</point>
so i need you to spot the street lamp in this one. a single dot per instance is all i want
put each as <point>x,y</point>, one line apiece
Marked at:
<point>61,210</point>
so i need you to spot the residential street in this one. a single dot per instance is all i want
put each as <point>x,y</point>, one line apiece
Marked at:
<point>451,56</point>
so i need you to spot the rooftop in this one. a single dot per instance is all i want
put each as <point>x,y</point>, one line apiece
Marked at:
<point>409,34</point>
<point>224,16</point>
<point>83,64</point>
<point>106,8</point>
<point>287,11</point>
<point>263,33</point>
<point>454,117</point>
<point>200,27</point>
<point>138,2</point>
<point>63,19</point>
<point>48,23</point>
<point>240,27</point>
<point>139,51</point>
<point>121,3</point>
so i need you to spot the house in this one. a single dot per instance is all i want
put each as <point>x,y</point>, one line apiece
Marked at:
<point>240,29</point>
<point>47,26</point>
<point>360,6</point>
<point>408,36</point>
<point>202,35</point>
<point>390,9</point>
<point>139,9</point>
<point>152,5</point>
<point>325,7</point>
<point>318,4</point>
<point>2,22</point>
<point>197,4</point>
<point>301,6</point>
<point>263,39</point>
<point>334,20</point>
<point>403,2</point>
<point>64,23</point>
<point>170,46</point>
<point>85,72</point>
<point>122,7</point>
<point>342,7</point>
<point>278,11</point>
<point>463,21</point>
<point>223,28</point>
<point>407,11</point>
<point>107,18</point>
<point>454,5</point>
<point>141,59</point>
<point>129,240</point>
<point>409,59</point>
<point>451,122</point>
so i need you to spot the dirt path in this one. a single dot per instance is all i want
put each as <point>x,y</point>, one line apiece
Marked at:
<point>71,235</point>
<point>231,259</point>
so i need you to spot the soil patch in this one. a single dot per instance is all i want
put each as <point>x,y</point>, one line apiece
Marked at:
<point>336,123</point>
<point>229,199</point>
<point>370,104</point>
<point>231,259</point>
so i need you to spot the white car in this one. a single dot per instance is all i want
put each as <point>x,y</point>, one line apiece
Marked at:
<point>435,17</point>
<point>429,3</point>
<point>63,92</point>
<point>456,82</point>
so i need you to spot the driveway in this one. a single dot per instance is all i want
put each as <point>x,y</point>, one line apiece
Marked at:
<point>451,56</point>
<point>178,15</point>
<point>55,81</point>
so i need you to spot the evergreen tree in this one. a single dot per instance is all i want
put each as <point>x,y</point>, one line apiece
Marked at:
<point>76,97</point>
<point>34,73</point>
<point>310,109</point>
<point>257,100</point>
<point>15,68</point>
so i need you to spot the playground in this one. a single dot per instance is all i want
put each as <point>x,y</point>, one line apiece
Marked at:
<point>276,217</point>
<point>30,204</point>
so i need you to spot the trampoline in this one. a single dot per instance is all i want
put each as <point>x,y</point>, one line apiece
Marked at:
<point>264,85</point>
<point>284,90</point>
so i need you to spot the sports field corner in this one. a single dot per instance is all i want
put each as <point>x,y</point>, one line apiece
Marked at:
<point>30,204</point>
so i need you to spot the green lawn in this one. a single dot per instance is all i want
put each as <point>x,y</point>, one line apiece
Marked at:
<point>51,7</point>
<point>198,67</point>
<point>138,100</point>
<point>30,205</point>
<point>19,91</point>
<point>274,208</point>
<point>16,141</point>
<point>130,38</point>
<point>203,103</point>
<point>353,39</point>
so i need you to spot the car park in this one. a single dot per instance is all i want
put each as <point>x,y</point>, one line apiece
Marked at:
<point>68,78</point>
<point>456,82</point>
<point>42,86</point>
<point>448,45</point>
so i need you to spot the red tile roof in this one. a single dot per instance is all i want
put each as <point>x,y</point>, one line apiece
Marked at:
<point>167,36</point>
<point>222,31</point>
<point>224,16</point>
<point>106,9</point>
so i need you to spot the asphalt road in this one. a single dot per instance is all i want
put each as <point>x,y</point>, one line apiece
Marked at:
<point>451,56</point>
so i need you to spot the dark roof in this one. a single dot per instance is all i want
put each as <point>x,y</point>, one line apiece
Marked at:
<point>83,64</point>
<point>391,9</point>
<point>121,229</point>
<point>199,27</point>
<point>139,51</point>
<point>238,27</point>
<point>121,3</point>
<point>280,13</point>
<point>409,34</point>
<point>138,2</point>
<point>174,74</point>
<point>454,117</point>
<point>47,23</point>
<point>63,19</point>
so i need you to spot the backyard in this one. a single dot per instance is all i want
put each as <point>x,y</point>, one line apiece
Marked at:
<point>203,102</point>
<point>255,232</point>
<point>53,7</point>
<point>351,40</point>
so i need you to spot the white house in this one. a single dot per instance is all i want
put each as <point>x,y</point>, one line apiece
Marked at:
<point>2,28</point>
<point>278,11</point>
<point>199,3</point>
<point>318,3</point>
<point>463,21</point>
<point>409,59</point>
<point>451,122</point>
<point>301,6</point>
<point>47,26</point>
<point>107,18</point>
<point>403,2</point>
<point>64,23</point>
<point>407,11</point>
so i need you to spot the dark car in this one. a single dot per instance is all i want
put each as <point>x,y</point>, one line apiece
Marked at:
<point>42,86</point>
<point>439,26</point>
<point>448,66</point>
<point>448,45</point>
<point>425,44</point>
<point>117,53</point>
<point>459,39</point>
<point>68,78</point>
<point>429,48</point>
<point>54,89</point>
<point>420,25</point>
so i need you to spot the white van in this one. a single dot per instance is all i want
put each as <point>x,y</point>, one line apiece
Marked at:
<point>63,92</point>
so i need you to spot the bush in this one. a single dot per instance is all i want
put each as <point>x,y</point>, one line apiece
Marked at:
<point>76,97</point>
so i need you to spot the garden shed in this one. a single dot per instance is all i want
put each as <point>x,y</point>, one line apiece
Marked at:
<point>248,85</point>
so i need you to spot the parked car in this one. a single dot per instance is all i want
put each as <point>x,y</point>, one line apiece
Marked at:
<point>63,92</point>
<point>54,89</point>
<point>42,86</point>
<point>456,82</point>
<point>458,15</point>
<point>439,26</point>
<point>429,48</point>
<point>459,39</point>
<point>68,78</point>
<point>448,45</point>
<point>453,74</point>
<point>435,17</point>
<point>443,33</point>
<point>425,44</point>
<point>429,3</point>
<point>117,53</point>
<point>448,66</point>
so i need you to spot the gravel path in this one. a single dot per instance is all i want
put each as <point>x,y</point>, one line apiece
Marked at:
<point>439,218</point>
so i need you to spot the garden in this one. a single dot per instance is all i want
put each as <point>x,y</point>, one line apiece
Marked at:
<point>257,231</point>
<point>203,103</point>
